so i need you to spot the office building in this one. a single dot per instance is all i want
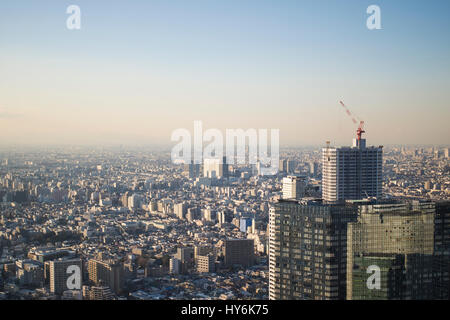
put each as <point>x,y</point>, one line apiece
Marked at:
<point>307,250</point>
<point>294,187</point>
<point>407,243</point>
<point>239,252</point>
<point>441,261</point>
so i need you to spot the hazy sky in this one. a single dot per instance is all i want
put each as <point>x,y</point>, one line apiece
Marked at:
<point>137,70</point>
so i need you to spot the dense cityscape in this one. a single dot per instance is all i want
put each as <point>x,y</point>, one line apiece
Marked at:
<point>221,159</point>
<point>141,227</point>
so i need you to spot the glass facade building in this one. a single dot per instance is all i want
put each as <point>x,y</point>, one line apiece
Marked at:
<point>405,242</point>
<point>329,251</point>
<point>307,250</point>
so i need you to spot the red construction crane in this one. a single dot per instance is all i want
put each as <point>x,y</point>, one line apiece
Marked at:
<point>360,130</point>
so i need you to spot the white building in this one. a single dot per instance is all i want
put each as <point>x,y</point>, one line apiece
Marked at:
<point>174,266</point>
<point>215,168</point>
<point>294,187</point>
<point>352,173</point>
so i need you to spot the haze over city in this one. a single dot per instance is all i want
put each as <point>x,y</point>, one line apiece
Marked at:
<point>219,158</point>
<point>138,70</point>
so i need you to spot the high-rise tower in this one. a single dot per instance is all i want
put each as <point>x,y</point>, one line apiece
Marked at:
<point>307,250</point>
<point>352,173</point>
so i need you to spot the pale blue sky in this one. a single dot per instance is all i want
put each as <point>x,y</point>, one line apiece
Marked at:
<point>139,69</point>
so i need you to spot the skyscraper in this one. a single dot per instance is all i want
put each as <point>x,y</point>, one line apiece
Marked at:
<point>294,187</point>
<point>405,242</point>
<point>307,250</point>
<point>320,250</point>
<point>351,173</point>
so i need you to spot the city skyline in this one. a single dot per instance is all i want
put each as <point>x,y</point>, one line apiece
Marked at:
<point>219,155</point>
<point>136,71</point>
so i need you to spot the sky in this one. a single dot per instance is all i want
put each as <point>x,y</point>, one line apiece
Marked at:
<point>138,70</point>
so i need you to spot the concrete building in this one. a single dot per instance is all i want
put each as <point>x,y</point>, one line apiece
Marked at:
<point>97,293</point>
<point>294,187</point>
<point>239,252</point>
<point>106,273</point>
<point>180,210</point>
<point>186,257</point>
<point>283,166</point>
<point>351,173</point>
<point>174,266</point>
<point>59,274</point>
<point>203,250</point>
<point>206,263</point>
<point>215,168</point>
<point>30,272</point>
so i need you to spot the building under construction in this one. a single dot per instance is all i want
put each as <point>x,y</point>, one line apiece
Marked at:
<point>352,173</point>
